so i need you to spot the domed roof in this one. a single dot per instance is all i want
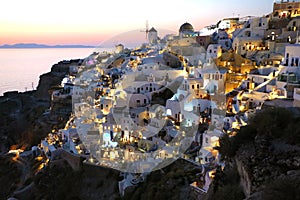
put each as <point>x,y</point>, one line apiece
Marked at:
<point>186,27</point>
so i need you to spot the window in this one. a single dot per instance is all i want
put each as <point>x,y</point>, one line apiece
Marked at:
<point>193,87</point>
<point>217,76</point>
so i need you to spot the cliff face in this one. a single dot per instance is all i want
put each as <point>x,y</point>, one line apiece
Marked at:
<point>54,77</point>
<point>46,81</point>
<point>171,182</point>
<point>245,180</point>
<point>61,182</point>
<point>24,120</point>
<point>266,156</point>
<point>268,164</point>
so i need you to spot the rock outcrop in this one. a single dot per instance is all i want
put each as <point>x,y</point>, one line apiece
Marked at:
<point>25,120</point>
<point>266,155</point>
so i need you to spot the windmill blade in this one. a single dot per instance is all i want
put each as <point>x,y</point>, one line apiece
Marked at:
<point>147,29</point>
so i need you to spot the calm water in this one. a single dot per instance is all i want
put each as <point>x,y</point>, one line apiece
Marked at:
<point>20,68</point>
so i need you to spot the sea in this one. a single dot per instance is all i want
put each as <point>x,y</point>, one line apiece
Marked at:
<point>20,68</point>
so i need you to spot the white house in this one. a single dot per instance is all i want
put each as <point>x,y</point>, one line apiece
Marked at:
<point>213,51</point>
<point>292,55</point>
<point>174,109</point>
<point>119,48</point>
<point>214,78</point>
<point>138,100</point>
<point>250,37</point>
<point>104,104</point>
<point>189,48</point>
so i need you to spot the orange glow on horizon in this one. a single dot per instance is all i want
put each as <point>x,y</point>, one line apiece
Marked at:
<point>92,21</point>
<point>54,39</point>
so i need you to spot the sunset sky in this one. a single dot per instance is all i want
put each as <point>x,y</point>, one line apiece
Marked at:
<point>91,22</point>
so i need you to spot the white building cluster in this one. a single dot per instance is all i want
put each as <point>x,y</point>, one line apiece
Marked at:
<point>139,110</point>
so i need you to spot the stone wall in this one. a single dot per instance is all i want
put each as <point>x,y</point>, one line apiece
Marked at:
<point>75,161</point>
<point>171,60</point>
<point>244,177</point>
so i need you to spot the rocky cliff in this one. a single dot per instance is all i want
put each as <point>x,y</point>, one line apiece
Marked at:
<point>266,156</point>
<point>25,120</point>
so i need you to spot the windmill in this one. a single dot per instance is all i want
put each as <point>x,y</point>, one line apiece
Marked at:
<point>147,29</point>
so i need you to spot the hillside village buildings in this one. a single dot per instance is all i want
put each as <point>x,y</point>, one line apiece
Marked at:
<point>138,110</point>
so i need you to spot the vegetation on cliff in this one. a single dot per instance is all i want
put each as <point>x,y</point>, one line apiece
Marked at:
<point>266,155</point>
<point>171,182</point>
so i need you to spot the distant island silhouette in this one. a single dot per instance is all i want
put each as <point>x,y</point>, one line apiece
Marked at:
<point>34,45</point>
